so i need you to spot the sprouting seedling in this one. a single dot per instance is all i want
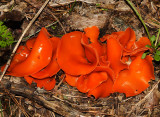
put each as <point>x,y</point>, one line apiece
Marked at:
<point>153,39</point>
<point>6,37</point>
<point>155,45</point>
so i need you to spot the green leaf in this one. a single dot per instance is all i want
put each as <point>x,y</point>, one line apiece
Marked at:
<point>104,9</point>
<point>148,46</point>
<point>157,57</point>
<point>144,55</point>
<point>153,38</point>
<point>159,43</point>
<point>53,27</point>
<point>98,4</point>
<point>158,52</point>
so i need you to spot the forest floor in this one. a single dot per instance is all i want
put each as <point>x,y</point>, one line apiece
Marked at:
<point>61,16</point>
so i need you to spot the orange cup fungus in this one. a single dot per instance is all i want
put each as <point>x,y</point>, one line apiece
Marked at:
<point>90,65</point>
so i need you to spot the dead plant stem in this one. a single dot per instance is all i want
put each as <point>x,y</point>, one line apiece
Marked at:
<point>139,16</point>
<point>13,52</point>
<point>57,20</point>
<point>21,37</point>
<point>56,88</point>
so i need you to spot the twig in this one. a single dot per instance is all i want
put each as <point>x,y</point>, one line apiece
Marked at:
<point>49,11</point>
<point>15,100</point>
<point>1,108</point>
<point>13,52</point>
<point>20,39</point>
<point>59,83</point>
<point>57,20</point>
<point>66,2</point>
<point>141,101</point>
<point>19,114</point>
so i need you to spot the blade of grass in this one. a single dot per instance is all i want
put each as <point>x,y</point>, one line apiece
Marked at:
<point>139,16</point>
<point>71,9</point>
<point>157,37</point>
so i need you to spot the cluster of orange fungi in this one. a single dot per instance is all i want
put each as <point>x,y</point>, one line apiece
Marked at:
<point>94,66</point>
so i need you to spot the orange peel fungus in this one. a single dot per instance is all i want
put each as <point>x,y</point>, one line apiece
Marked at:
<point>91,65</point>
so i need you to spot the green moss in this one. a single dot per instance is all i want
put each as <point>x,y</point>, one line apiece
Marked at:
<point>6,37</point>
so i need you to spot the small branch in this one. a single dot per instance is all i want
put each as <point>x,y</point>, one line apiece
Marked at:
<point>18,104</point>
<point>56,87</point>
<point>57,20</point>
<point>50,12</point>
<point>20,39</point>
<point>66,2</point>
<point>1,108</point>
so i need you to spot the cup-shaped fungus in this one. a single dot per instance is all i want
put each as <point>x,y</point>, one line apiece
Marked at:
<point>39,57</point>
<point>135,80</point>
<point>92,33</point>
<point>93,66</point>
<point>52,68</point>
<point>72,54</point>
<point>20,55</point>
<point>98,83</point>
<point>114,55</point>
